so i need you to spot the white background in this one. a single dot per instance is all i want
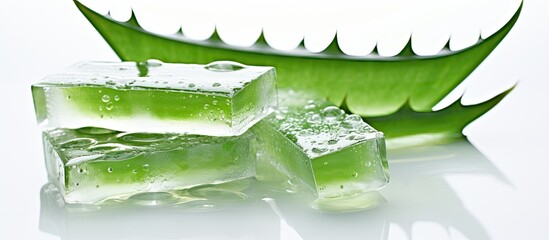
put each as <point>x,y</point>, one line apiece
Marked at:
<point>496,189</point>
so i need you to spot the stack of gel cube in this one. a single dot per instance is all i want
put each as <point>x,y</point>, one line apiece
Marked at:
<point>113,130</point>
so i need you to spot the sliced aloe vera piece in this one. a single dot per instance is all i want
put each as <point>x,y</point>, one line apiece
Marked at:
<point>90,165</point>
<point>218,99</point>
<point>332,153</point>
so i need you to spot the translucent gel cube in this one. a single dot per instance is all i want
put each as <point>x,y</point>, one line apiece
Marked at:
<point>218,99</point>
<point>332,153</point>
<point>90,165</point>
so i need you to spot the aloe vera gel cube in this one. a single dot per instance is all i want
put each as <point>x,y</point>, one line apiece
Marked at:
<point>218,99</point>
<point>89,165</point>
<point>332,153</point>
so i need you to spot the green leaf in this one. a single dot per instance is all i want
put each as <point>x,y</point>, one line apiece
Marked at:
<point>374,87</point>
<point>406,126</point>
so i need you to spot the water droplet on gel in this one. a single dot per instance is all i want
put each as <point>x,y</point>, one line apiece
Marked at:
<point>134,171</point>
<point>368,164</point>
<point>315,118</point>
<point>110,82</point>
<point>332,141</point>
<point>206,106</point>
<point>341,186</point>
<point>310,106</point>
<point>116,98</point>
<point>109,169</point>
<point>355,174</point>
<point>145,167</point>
<point>319,150</point>
<point>331,113</point>
<point>352,121</point>
<point>305,133</point>
<point>216,84</point>
<point>109,106</point>
<point>191,85</point>
<point>214,102</point>
<point>106,98</point>
<point>224,66</point>
<point>342,133</point>
<point>80,170</point>
<point>359,137</point>
<point>353,118</point>
<point>68,97</point>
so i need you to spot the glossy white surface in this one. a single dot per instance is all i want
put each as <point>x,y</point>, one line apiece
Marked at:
<point>494,188</point>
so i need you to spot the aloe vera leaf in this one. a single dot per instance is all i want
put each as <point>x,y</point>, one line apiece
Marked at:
<point>374,87</point>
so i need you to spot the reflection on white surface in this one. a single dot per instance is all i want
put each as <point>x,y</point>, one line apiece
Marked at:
<point>419,197</point>
<point>419,203</point>
<point>286,231</point>
<point>195,221</point>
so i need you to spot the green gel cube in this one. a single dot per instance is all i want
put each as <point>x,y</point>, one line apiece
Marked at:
<point>332,153</point>
<point>218,99</point>
<point>90,165</point>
